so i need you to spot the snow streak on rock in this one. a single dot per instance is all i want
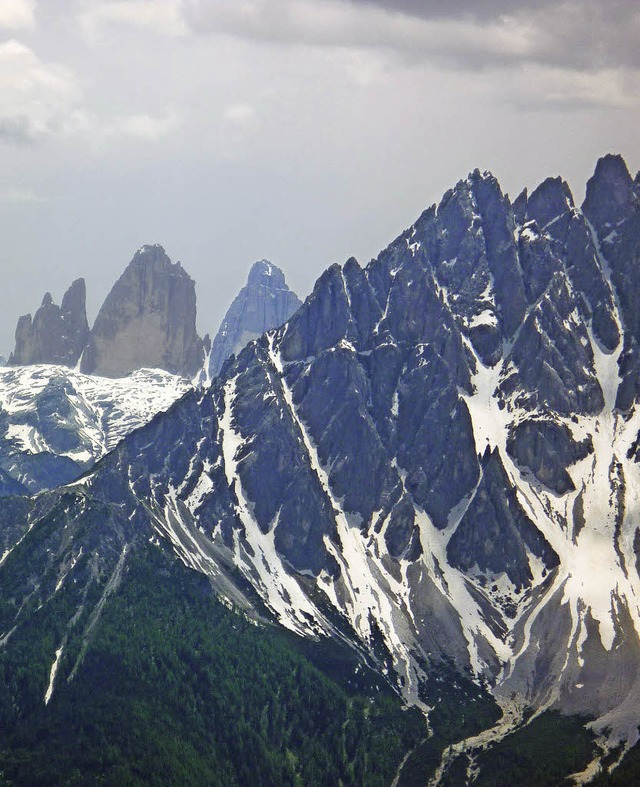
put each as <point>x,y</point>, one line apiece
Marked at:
<point>255,551</point>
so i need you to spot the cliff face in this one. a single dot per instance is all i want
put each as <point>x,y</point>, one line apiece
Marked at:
<point>265,302</point>
<point>147,320</point>
<point>56,334</point>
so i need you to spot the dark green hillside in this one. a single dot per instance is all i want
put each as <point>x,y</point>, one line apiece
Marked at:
<point>542,753</point>
<point>176,689</point>
<point>625,774</point>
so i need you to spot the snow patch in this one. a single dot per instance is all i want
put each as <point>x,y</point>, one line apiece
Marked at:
<point>52,674</point>
<point>280,590</point>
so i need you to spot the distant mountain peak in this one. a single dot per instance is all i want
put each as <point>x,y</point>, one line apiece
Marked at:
<point>265,302</point>
<point>56,334</point>
<point>266,274</point>
<point>155,255</point>
<point>147,320</point>
<point>610,194</point>
<point>550,199</point>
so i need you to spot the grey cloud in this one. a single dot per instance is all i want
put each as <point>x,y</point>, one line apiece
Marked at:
<point>578,54</point>
<point>447,9</point>
<point>16,131</point>
<point>591,35</point>
<point>462,34</point>
<point>568,92</point>
<point>581,34</point>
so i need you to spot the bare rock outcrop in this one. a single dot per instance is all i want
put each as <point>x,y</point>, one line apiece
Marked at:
<point>147,320</point>
<point>56,334</point>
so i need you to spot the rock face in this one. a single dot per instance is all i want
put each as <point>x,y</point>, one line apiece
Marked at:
<point>265,302</point>
<point>57,334</point>
<point>147,320</point>
<point>495,536</point>
<point>10,487</point>
<point>431,456</point>
<point>612,206</point>
<point>548,449</point>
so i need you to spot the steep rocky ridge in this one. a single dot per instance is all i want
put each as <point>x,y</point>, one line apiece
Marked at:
<point>382,467</point>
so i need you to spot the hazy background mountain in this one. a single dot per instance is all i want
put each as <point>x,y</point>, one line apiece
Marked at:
<point>265,302</point>
<point>59,414</point>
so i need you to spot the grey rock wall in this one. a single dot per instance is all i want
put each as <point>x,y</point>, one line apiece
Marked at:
<point>56,334</point>
<point>147,320</point>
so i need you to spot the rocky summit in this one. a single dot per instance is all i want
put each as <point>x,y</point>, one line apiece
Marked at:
<point>56,334</point>
<point>265,302</point>
<point>147,320</point>
<point>435,460</point>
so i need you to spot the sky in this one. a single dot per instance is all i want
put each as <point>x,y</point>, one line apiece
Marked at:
<point>301,131</point>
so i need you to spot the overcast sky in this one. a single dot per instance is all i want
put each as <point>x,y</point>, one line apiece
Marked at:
<point>303,131</point>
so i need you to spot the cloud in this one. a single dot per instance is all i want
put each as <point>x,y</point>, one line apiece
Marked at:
<point>17,14</point>
<point>577,33</point>
<point>16,130</point>
<point>160,16</point>
<point>101,131</point>
<point>42,100</point>
<point>588,35</point>
<point>242,114</point>
<point>36,96</point>
<point>335,23</point>
<point>144,127</point>
<point>436,9</point>
<point>586,44</point>
<point>554,88</point>
<point>21,196</point>
<point>307,22</point>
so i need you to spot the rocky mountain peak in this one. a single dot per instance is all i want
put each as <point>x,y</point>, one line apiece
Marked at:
<point>153,256</point>
<point>147,320</point>
<point>478,177</point>
<point>56,334</point>
<point>265,274</point>
<point>550,199</point>
<point>610,195</point>
<point>469,242</point>
<point>73,301</point>
<point>265,302</point>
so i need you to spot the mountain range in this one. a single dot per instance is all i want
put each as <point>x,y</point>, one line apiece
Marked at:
<point>70,394</point>
<point>432,463</point>
<point>147,320</point>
